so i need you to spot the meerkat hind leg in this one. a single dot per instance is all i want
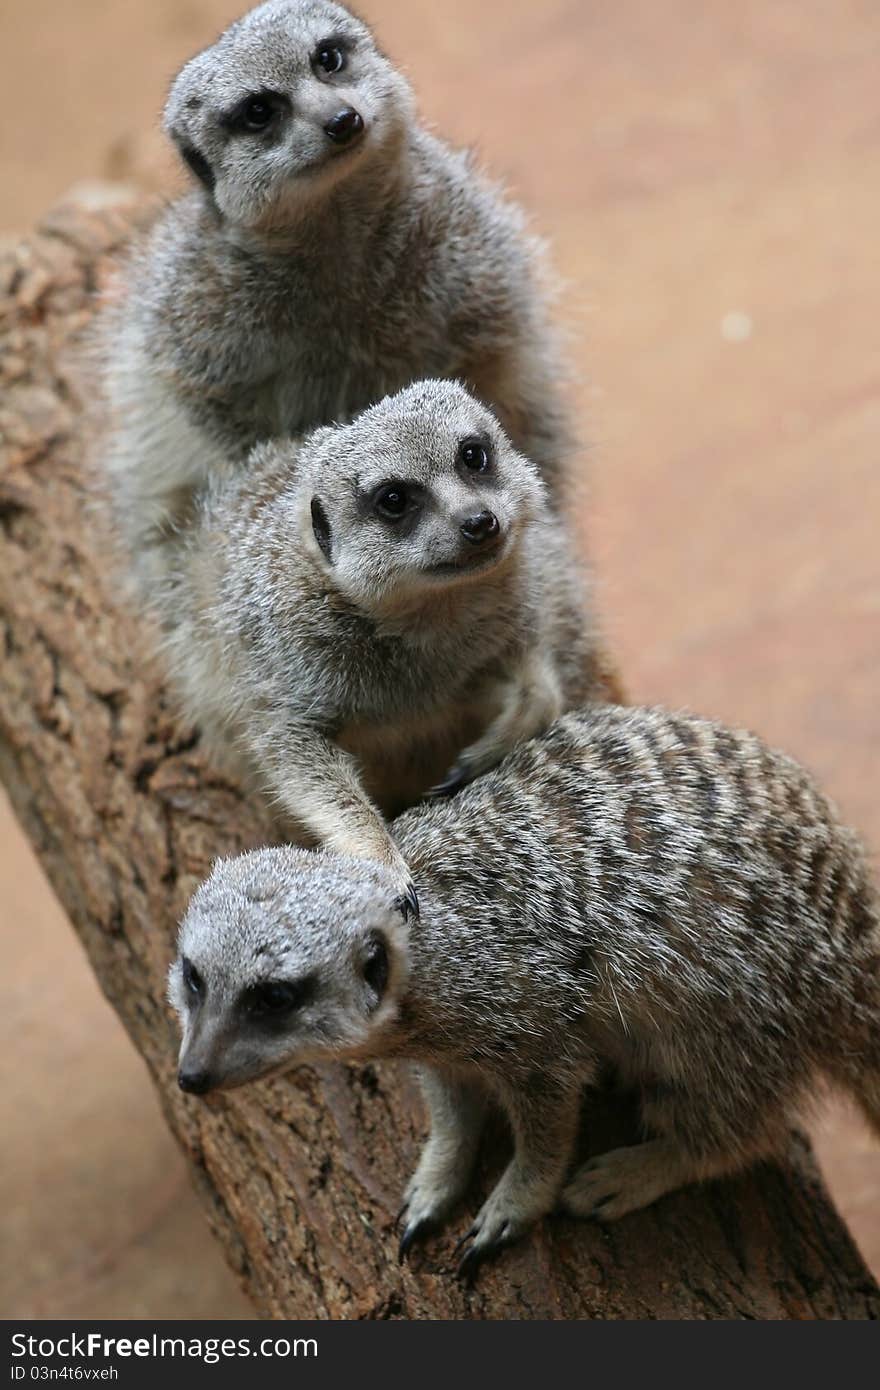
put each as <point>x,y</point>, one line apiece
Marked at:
<point>627,1179</point>
<point>457,1110</point>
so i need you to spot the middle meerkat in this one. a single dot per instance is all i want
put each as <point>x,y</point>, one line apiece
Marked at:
<point>375,608</point>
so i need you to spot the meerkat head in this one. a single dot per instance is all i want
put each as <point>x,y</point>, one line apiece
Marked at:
<point>286,956</point>
<point>285,104</point>
<point>420,493</point>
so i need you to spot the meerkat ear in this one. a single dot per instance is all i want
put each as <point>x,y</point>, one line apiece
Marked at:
<point>321,529</point>
<point>182,116</point>
<point>197,162</point>
<point>376,967</point>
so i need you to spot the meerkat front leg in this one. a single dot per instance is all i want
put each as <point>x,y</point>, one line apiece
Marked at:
<point>457,1109</point>
<point>544,1119</point>
<point>317,784</point>
<point>531,703</point>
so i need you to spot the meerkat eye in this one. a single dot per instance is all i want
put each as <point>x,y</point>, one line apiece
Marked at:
<point>474,455</point>
<point>192,980</point>
<point>376,967</point>
<point>391,501</point>
<point>329,58</point>
<point>277,997</point>
<point>255,113</point>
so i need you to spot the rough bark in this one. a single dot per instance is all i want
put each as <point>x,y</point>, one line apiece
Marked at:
<point>301,1178</point>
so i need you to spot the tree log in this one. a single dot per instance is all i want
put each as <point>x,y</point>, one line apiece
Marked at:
<point>301,1177</point>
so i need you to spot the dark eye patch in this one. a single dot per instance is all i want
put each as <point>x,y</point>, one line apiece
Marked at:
<point>391,501</point>
<point>475,454</point>
<point>331,55</point>
<point>396,498</point>
<point>255,113</point>
<point>274,1001</point>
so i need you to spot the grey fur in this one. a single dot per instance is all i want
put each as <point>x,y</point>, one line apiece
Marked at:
<point>637,886</point>
<point>349,660</point>
<point>303,281</point>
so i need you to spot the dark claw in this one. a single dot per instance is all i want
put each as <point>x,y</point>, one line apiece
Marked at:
<point>467,1268</point>
<point>464,1239</point>
<point>401,1214</point>
<point>469,1264</point>
<point>472,1259</point>
<point>410,1236</point>
<point>602,1202</point>
<point>408,904</point>
<point>455,778</point>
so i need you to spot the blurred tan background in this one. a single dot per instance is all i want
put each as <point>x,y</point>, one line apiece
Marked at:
<point>708,174</point>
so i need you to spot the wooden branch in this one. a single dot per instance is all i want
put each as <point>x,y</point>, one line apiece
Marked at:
<point>300,1177</point>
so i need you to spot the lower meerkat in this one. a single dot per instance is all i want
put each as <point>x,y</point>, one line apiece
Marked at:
<point>374,606</point>
<point>634,886</point>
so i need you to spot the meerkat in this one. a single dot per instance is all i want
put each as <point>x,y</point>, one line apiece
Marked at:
<point>384,605</point>
<point>330,252</point>
<point>637,886</point>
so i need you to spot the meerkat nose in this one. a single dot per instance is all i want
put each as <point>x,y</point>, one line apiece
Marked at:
<point>195,1082</point>
<point>345,125</point>
<point>480,528</point>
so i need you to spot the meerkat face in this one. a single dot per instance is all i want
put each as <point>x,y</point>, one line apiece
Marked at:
<point>285,956</point>
<point>420,493</point>
<point>289,101</point>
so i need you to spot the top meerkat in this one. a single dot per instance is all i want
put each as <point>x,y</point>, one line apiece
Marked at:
<point>332,252</point>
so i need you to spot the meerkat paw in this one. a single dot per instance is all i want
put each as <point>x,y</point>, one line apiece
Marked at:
<point>509,1212</point>
<point>408,899</point>
<point>432,1192</point>
<point>471,764</point>
<point>456,777</point>
<point>623,1180</point>
<point>532,704</point>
